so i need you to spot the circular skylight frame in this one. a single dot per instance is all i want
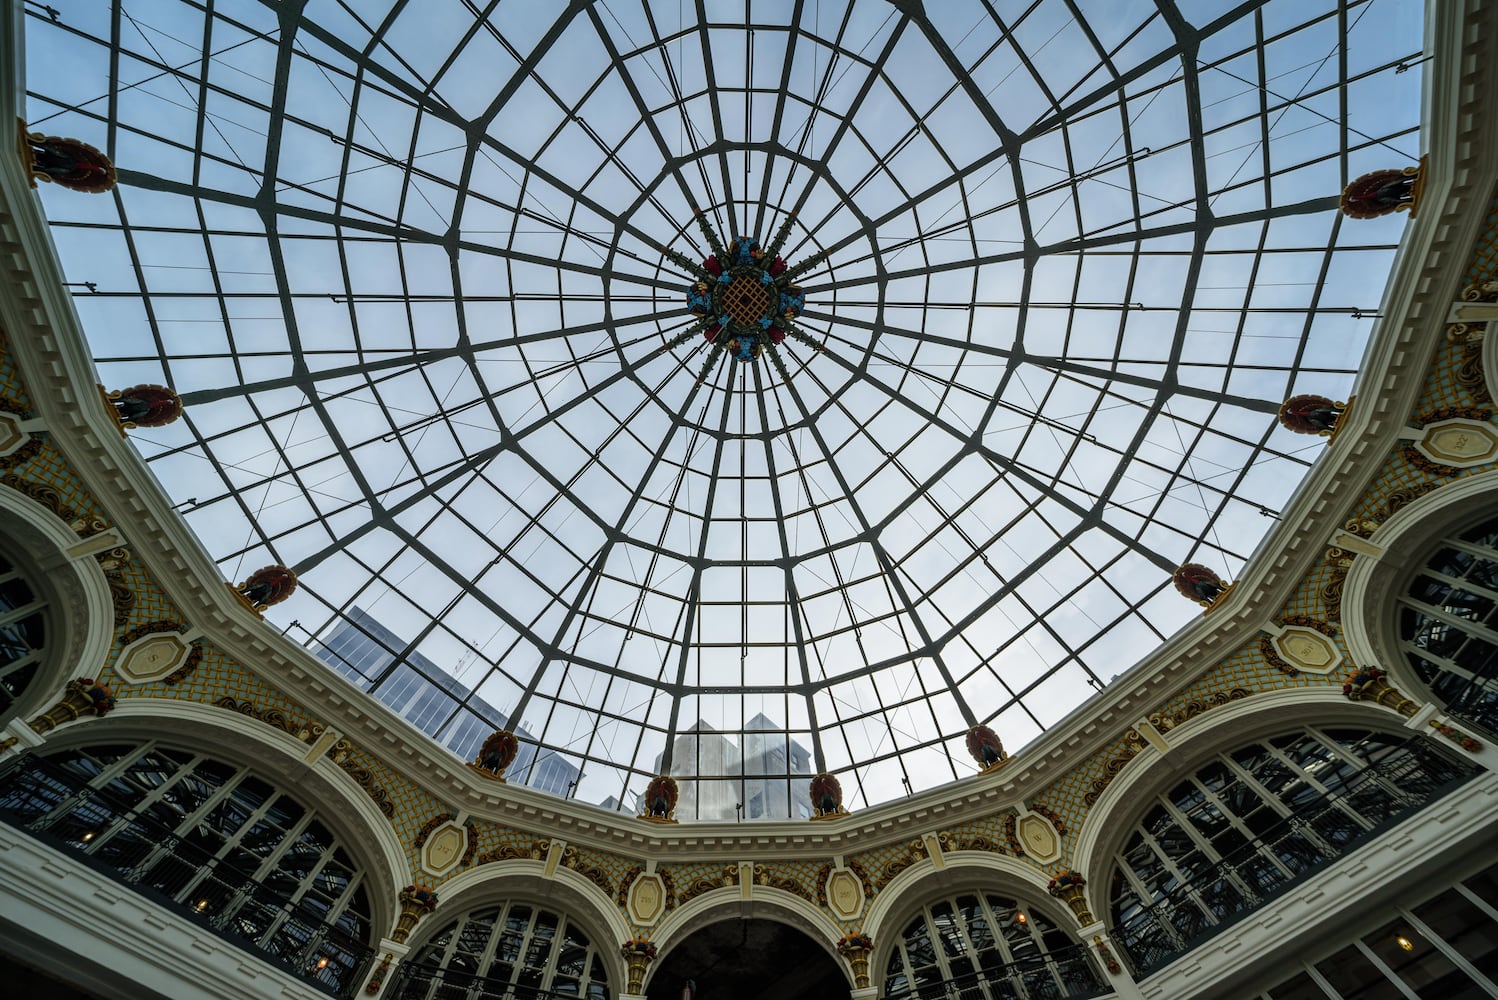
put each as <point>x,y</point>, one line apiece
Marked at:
<point>430,364</point>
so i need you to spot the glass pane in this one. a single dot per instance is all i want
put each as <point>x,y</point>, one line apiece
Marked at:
<point>1354,977</point>
<point>535,388</point>
<point>1301,987</point>
<point>1416,960</point>
<point>1465,927</point>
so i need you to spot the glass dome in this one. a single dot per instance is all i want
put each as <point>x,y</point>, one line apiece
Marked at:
<point>424,277</point>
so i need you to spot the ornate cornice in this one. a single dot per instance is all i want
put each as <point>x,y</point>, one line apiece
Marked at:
<point>49,345</point>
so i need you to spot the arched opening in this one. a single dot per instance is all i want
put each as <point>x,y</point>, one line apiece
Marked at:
<point>1448,623</point>
<point>748,959</point>
<point>208,839</point>
<point>56,613</point>
<point>511,948</point>
<point>1252,821</point>
<point>986,943</point>
<point>23,635</point>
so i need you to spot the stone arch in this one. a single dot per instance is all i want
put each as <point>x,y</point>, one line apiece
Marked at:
<point>80,609</point>
<point>1111,819</point>
<point>960,871</point>
<point>525,880</point>
<point>1372,585</point>
<point>764,903</point>
<point>277,757</point>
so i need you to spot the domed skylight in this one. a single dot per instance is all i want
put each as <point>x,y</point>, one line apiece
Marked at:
<point>420,270</point>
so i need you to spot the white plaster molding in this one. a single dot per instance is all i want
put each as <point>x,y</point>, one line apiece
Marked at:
<point>93,545</point>
<point>443,849</point>
<point>15,432</point>
<point>646,899</point>
<point>846,897</point>
<point>1337,897</point>
<point>152,657</point>
<point>1307,650</point>
<point>1490,361</point>
<point>395,952</point>
<point>1486,755</point>
<point>1041,839</point>
<point>25,737</point>
<point>1463,311</point>
<point>116,942</point>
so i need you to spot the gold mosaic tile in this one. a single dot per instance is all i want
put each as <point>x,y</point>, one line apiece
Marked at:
<point>412,806</point>
<point>11,386</point>
<point>49,468</point>
<point>603,870</point>
<point>683,876</point>
<point>803,874</point>
<point>990,828</point>
<point>687,882</point>
<point>1067,796</point>
<point>1484,263</point>
<point>1443,385</point>
<point>1246,669</point>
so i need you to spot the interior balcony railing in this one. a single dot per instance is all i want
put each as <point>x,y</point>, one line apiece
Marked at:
<point>1060,975</point>
<point>414,981</point>
<point>1476,703</point>
<point>57,807</point>
<point>1317,834</point>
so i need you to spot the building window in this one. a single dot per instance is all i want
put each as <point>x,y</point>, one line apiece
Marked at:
<point>504,950</point>
<point>986,939</point>
<point>23,634</point>
<point>1448,624</point>
<point>208,838</point>
<point>1251,822</point>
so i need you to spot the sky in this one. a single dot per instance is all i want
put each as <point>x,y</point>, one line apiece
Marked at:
<point>403,262</point>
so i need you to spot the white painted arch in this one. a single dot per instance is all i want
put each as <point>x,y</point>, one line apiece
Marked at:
<point>764,903</point>
<point>1372,585</point>
<point>961,871</point>
<point>525,880</point>
<point>275,756</point>
<point>80,611</point>
<point>1111,819</point>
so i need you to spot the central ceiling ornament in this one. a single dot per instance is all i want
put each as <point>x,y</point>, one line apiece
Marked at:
<point>744,296</point>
